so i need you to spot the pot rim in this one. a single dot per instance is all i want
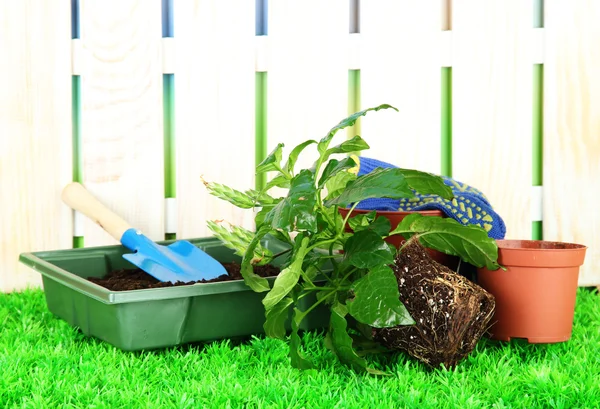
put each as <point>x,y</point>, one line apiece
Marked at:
<point>546,245</point>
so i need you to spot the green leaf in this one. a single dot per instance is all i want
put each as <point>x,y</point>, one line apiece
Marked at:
<point>377,300</point>
<point>346,122</point>
<point>427,183</point>
<point>288,277</point>
<point>469,242</point>
<point>340,341</point>
<point>380,225</point>
<point>366,249</point>
<point>388,183</point>
<point>294,155</point>
<point>260,198</point>
<point>336,184</point>
<point>296,211</point>
<point>298,360</point>
<point>278,181</point>
<point>272,161</point>
<point>353,144</point>
<point>235,197</point>
<point>276,317</point>
<point>237,238</point>
<point>254,281</point>
<point>333,167</point>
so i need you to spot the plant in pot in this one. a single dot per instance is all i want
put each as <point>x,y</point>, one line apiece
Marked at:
<point>536,293</point>
<point>374,292</point>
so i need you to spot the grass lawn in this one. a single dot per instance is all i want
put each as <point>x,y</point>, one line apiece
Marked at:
<point>45,363</point>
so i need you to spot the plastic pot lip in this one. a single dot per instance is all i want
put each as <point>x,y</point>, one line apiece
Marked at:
<point>518,245</point>
<point>394,213</point>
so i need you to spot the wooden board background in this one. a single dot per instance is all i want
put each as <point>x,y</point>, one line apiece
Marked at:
<point>121,118</point>
<point>35,133</point>
<point>400,66</point>
<point>492,105</point>
<point>214,109</point>
<point>307,95</point>
<point>307,73</point>
<point>572,128</point>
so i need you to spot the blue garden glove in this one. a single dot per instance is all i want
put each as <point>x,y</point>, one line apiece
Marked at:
<point>469,206</point>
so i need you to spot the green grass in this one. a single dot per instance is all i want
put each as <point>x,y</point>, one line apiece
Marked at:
<point>45,363</point>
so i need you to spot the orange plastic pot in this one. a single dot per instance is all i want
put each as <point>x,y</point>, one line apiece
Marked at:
<point>535,296</point>
<point>397,240</point>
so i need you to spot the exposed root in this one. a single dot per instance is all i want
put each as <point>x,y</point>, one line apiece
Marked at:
<point>451,312</point>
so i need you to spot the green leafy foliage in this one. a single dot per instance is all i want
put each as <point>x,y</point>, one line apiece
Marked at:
<point>237,238</point>
<point>388,183</point>
<point>376,300</point>
<point>357,286</point>
<point>276,317</point>
<point>366,249</point>
<point>369,221</point>
<point>469,242</point>
<point>288,277</point>
<point>296,211</point>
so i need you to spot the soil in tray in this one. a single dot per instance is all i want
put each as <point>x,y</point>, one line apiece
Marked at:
<point>137,279</point>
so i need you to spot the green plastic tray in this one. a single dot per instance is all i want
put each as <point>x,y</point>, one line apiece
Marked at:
<point>152,318</point>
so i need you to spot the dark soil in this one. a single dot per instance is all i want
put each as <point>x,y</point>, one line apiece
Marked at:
<point>451,312</point>
<point>137,279</point>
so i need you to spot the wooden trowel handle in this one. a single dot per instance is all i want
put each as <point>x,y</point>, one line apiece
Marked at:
<point>79,198</point>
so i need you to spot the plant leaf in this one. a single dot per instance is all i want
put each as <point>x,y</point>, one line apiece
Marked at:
<point>341,342</point>
<point>279,181</point>
<point>388,183</point>
<point>254,281</point>
<point>237,238</point>
<point>296,211</point>
<point>294,155</point>
<point>272,161</point>
<point>469,242</point>
<point>346,122</point>
<point>366,249</point>
<point>377,300</point>
<point>381,225</point>
<point>288,277</point>
<point>260,198</point>
<point>427,183</point>
<point>353,144</point>
<point>276,317</point>
<point>337,183</point>
<point>298,360</point>
<point>333,167</point>
<point>235,197</point>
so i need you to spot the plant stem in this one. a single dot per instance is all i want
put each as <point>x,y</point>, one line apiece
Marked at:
<point>281,253</point>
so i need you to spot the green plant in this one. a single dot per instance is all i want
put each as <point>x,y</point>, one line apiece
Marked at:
<point>359,282</point>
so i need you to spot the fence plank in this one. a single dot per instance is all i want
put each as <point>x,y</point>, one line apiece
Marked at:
<point>572,129</point>
<point>121,118</point>
<point>307,74</point>
<point>214,109</point>
<point>492,105</point>
<point>35,133</point>
<point>400,60</point>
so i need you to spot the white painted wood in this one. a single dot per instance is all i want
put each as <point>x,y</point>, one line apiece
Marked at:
<point>122,113</point>
<point>168,55</point>
<point>492,105</point>
<point>572,129</point>
<point>214,109</point>
<point>308,73</point>
<point>401,66</point>
<point>35,134</point>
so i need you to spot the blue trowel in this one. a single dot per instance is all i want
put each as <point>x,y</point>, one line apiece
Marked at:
<point>180,261</point>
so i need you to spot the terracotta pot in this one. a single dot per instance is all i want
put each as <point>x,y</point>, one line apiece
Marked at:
<point>397,240</point>
<point>535,296</point>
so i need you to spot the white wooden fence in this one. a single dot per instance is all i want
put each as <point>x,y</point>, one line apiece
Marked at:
<point>401,48</point>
